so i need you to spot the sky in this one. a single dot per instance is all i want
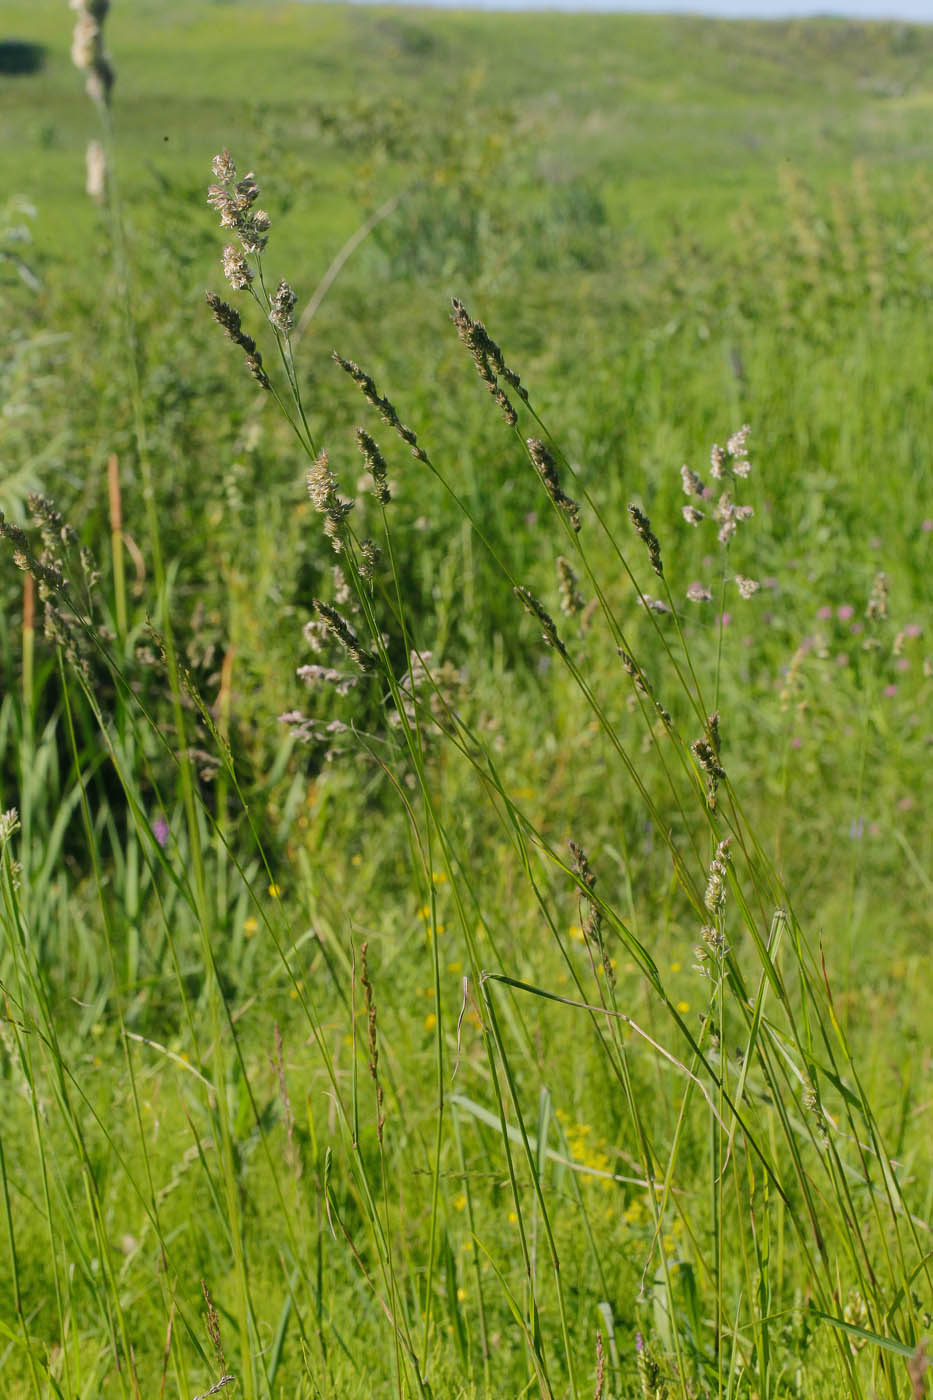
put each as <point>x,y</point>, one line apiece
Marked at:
<point>916,10</point>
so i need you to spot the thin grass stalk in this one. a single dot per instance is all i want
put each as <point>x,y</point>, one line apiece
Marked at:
<point>539,1195</point>
<point>477,1271</point>
<point>116,543</point>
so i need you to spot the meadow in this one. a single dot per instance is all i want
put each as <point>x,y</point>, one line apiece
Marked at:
<point>465,847</point>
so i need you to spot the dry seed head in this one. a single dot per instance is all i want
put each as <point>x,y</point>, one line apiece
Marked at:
<point>692,515</point>
<point>643,530</point>
<point>546,467</point>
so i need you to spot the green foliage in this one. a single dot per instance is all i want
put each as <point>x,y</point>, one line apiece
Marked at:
<point>501,998</point>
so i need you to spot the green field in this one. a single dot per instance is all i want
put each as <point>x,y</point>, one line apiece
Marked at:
<point>508,1004</point>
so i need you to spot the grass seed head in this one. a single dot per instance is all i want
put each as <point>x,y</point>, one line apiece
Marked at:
<point>548,627</point>
<point>489,360</point>
<point>282,314</point>
<point>715,896</point>
<point>225,315</point>
<point>370,554</point>
<point>546,467</point>
<point>386,410</point>
<point>322,488</point>
<point>877,609</point>
<point>339,628</point>
<point>376,465</point>
<point>692,484</point>
<point>643,530</point>
<point>572,600</point>
<point>236,269</point>
<point>87,49</point>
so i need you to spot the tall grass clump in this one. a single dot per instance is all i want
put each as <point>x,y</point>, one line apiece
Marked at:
<point>447,1016</point>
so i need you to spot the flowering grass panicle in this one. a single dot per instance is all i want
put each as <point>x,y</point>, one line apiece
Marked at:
<point>87,49</point>
<point>572,600</point>
<point>713,946</point>
<point>546,467</point>
<point>655,605</point>
<point>373,1039</point>
<point>314,675</point>
<point>706,754</point>
<point>322,488</point>
<point>731,460</point>
<point>489,360</point>
<point>877,608</point>
<point>691,483</point>
<point>282,313</point>
<point>386,410</point>
<point>339,628</point>
<point>548,627</point>
<point>591,919</point>
<point>370,554</point>
<point>225,315</point>
<point>236,269</point>
<point>234,199</point>
<point>715,896</point>
<point>643,530</point>
<point>729,516</point>
<point>376,465</point>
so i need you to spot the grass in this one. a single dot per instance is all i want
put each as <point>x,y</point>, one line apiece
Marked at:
<point>501,1024</point>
